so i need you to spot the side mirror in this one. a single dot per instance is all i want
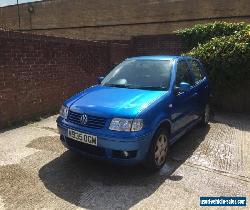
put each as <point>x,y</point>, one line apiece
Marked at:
<point>99,80</point>
<point>183,87</point>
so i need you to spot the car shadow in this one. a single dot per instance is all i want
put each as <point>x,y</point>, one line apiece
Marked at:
<point>97,185</point>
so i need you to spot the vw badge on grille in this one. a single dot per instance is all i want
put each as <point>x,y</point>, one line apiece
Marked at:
<point>84,119</point>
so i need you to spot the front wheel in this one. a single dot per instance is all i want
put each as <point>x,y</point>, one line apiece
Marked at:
<point>157,155</point>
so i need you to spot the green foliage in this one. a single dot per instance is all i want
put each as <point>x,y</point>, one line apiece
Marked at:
<point>227,60</point>
<point>202,33</point>
<point>224,49</point>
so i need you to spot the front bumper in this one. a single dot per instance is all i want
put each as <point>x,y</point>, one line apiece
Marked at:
<point>109,148</point>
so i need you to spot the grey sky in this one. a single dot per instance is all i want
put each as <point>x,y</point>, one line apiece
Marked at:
<point>11,2</point>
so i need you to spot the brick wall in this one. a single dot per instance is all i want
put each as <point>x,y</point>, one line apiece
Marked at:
<point>168,44</point>
<point>119,50</point>
<point>37,73</point>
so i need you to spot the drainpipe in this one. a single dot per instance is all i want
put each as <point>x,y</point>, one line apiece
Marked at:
<point>30,10</point>
<point>18,13</point>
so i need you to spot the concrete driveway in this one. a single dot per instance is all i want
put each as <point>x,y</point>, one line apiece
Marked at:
<point>36,172</point>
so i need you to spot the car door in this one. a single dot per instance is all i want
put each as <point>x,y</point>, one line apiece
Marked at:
<point>200,87</point>
<point>182,107</point>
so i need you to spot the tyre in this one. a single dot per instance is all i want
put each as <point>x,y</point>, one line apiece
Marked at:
<point>205,116</point>
<point>158,151</point>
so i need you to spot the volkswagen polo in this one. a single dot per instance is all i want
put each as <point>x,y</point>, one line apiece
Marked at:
<point>137,111</point>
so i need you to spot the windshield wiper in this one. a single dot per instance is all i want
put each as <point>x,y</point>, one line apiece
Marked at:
<point>135,87</point>
<point>149,88</point>
<point>116,85</point>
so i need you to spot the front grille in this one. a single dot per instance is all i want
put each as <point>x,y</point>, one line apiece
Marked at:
<point>93,121</point>
<point>90,149</point>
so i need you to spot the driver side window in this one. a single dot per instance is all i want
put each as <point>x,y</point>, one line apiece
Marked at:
<point>182,74</point>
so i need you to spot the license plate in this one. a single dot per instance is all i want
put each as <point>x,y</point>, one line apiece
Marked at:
<point>82,137</point>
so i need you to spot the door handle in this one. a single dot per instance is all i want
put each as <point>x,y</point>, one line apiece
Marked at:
<point>195,94</point>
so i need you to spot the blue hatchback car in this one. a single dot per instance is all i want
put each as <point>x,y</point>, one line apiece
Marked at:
<point>137,111</point>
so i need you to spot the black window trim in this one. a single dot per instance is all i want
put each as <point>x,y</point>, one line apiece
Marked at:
<point>189,60</point>
<point>189,71</point>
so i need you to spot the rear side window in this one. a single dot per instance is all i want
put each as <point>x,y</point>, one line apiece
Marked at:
<point>183,74</point>
<point>196,68</point>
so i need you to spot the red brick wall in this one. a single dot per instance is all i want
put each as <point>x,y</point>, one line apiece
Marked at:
<point>37,73</point>
<point>169,44</point>
<point>119,50</point>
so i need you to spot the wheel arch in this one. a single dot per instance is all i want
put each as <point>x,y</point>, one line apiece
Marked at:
<point>149,162</point>
<point>164,124</point>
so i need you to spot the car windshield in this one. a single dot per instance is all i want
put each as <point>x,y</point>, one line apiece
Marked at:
<point>140,74</point>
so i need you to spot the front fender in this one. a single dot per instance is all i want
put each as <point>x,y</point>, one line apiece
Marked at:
<point>157,114</point>
<point>159,121</point>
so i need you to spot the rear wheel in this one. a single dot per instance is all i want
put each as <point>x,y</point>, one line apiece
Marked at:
<point>158,151</point>
<point>205,116</point>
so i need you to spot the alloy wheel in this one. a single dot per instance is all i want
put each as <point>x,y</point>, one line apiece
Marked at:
<point>207,113</point>
<point>161,147</point>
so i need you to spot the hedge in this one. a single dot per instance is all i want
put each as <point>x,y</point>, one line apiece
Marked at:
<point>227,60</point>
<point>201,33</point>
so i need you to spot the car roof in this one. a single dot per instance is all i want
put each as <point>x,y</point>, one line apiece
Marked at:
<point>157,57</point>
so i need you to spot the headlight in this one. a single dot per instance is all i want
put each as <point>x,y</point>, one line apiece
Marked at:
<point>120,124</point>
<point>64,112</point>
